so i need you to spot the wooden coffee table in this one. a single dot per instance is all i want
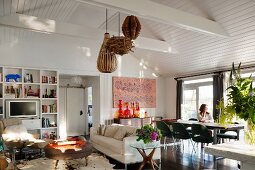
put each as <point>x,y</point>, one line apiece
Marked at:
<point>65,151</point>
<point>147,158</point>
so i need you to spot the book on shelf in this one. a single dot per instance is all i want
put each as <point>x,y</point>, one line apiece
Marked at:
<point>49,79</point>
<point>49,108</point>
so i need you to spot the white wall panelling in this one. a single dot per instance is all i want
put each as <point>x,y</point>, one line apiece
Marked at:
<point>191,51</point>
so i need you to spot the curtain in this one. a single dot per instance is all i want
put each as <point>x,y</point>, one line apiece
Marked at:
<point>179,94</point>
<point>217,93</point>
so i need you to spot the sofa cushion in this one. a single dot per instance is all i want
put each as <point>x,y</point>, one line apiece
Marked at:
<point>120,134</point>
<point>110,131</point>
<point>130,131</point>
<point>16,133</point>
<point>109,143</point>
<point>101,129</point>
<point>15,129</point>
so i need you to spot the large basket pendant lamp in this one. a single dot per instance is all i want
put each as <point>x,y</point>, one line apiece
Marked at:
<point>106,61</point>
<point>120,44</point>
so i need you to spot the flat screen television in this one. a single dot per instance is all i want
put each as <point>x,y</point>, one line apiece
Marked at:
<point>22,108</point>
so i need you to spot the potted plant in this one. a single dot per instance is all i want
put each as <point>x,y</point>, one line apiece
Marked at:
<point>148,134</point>
<point>240,102</point>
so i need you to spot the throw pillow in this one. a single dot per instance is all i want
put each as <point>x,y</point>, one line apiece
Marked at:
<point>120,134</point>
<point>110,131</point>
<point>130,131</point>
<point>16,133</point>
<point>101,129</point>
<point>15,129</point>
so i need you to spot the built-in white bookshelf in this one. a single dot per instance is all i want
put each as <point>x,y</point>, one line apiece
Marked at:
<point>32,84</point>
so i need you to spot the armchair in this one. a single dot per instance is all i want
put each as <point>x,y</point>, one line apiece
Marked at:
<point>16,135</point>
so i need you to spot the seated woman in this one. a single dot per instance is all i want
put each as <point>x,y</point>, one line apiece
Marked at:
<point>203,115</point>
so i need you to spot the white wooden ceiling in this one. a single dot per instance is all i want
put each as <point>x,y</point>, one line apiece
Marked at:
<point>192,52</point>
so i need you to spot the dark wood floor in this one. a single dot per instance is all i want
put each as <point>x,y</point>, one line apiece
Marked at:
<point>180,158</point>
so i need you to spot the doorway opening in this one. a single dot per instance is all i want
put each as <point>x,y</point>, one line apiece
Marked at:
<point>89,103</point>
<point>78,96</point>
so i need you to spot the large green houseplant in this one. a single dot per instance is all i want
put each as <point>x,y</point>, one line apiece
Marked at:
<point>240,102</point>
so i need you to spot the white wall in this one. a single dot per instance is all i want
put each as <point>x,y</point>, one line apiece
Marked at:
<point>77,56</point>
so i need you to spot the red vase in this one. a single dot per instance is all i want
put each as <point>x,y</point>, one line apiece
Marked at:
<point>127,112</point>
<point>121,114</point>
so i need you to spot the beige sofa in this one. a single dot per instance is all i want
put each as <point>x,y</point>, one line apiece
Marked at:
<point>116,143</point>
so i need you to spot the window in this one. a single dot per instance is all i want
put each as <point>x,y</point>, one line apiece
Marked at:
<point>195,93</point>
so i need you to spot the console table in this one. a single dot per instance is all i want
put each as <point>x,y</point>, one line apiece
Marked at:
<point>136,122</point>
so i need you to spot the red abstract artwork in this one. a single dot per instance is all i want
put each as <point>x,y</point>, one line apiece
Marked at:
<point>134,90</point>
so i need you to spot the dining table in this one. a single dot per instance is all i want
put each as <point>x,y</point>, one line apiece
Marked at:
<point>216,127</point>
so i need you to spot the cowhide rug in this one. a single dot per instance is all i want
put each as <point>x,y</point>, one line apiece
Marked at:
<point>94,161</point>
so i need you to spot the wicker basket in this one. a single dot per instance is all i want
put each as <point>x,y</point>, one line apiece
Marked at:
<point>119,45</point>
<point>106,61</point>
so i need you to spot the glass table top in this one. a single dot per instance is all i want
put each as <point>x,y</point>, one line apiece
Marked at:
<point>151,145</point>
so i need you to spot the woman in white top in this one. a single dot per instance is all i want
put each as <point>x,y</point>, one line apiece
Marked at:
<point>203,115</point>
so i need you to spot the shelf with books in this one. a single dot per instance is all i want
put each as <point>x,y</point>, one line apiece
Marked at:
<point>49,106</point>
<point>49,77</point>
<point>49,120</point>
<point>30,84</point>
<point>31,76</point>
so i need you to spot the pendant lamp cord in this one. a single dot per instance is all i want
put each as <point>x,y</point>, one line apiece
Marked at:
<point>106,15</point>
<point>119,24</point>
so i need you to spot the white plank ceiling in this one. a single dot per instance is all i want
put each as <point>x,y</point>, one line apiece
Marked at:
<point>192,52</point>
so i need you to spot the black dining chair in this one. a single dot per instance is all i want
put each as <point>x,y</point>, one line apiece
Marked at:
<point>165,131</point>
<point>189,128</point>
<point>180,132</point>
<point>201,134</point>
<point>227,134</point>
<point>193,119</point>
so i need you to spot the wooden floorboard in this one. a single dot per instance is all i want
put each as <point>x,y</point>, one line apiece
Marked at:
<point>183,158</point>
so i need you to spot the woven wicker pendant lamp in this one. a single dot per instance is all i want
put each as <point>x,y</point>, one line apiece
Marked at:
<point>120,44</point>
<point>131,27</point>
<point>106,61</point>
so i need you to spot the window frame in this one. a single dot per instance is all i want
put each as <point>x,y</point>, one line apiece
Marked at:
<point>195,86</point>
